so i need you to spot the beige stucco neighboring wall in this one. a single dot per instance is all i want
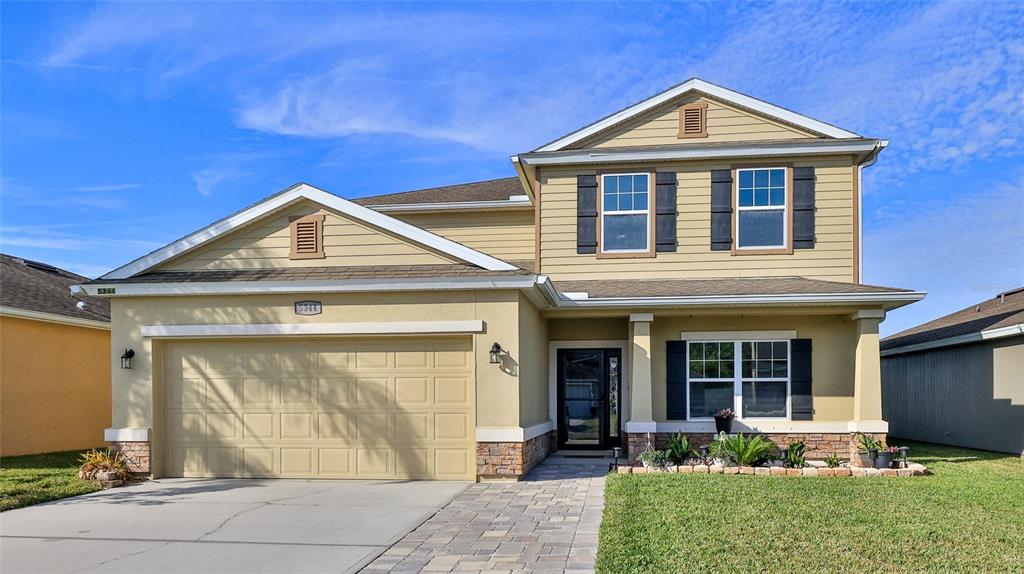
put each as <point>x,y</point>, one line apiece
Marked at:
<point>832,258</point>
<point>497,389</point>
<point>266,244</point>
<point>589,329</point>
<point>507,235</point>
<point>532,365</point>
<point>725,123</point>
<point>834,344</point>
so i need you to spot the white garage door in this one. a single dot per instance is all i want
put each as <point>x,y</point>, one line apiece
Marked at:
<point>330,408</point>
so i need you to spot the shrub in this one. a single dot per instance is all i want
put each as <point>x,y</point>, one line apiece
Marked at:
<point>679,448</point>
<point>868,442</point>
<point>744,450</point>
<point>795,455</point>
<point>833,460</point>
<point>107,460</point>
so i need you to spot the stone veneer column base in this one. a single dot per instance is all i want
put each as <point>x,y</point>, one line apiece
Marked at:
<point>137,455</point>
<point>513,459</point>
<point>819,445</point>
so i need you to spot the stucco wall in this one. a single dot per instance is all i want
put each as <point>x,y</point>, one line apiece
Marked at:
<point>54,386</point>
<point>533,366</point>
<point>497,388</point>
<point>834,348</point>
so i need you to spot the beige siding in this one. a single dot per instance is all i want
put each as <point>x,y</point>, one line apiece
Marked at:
<point>725,123</point>
<point>507,235</point>
<point>831,259</point>
<point>265,244</point>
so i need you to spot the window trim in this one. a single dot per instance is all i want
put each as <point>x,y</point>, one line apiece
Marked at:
<point>649,212</point>
<point>787,213</point>
<point>738,379</point>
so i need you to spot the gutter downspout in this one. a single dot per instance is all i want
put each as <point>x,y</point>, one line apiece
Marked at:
<point>868,162</point>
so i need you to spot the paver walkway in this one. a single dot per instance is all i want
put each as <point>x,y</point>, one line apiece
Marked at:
<point>546,523</point>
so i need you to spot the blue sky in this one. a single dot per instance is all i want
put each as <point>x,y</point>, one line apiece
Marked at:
<point>126,126</point>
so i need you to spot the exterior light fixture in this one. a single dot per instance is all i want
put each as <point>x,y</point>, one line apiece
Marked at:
<point>126,358</point>
<point>496,352</point>
<point>704,453</point>
<point>617,454</point>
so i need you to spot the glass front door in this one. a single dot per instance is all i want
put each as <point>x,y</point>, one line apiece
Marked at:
<point>588,398</point>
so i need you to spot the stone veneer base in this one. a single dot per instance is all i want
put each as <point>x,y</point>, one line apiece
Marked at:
<point>138,455</point>
<point>819,445</point>
<point>913,469</point>
<point>512,460</point>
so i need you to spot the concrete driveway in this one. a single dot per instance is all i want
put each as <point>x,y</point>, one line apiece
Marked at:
<point>222,525</point>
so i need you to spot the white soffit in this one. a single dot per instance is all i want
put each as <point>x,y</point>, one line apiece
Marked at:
<point>328,200</point>
<point>696,84</point>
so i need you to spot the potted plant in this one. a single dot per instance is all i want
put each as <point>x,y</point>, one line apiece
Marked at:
<point>885,457</point>
<point>654,458</point>
<point>723,420</point>
<point>869,447</point>
<point>721,454</point>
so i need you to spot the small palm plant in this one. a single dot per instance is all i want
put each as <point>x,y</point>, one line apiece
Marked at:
<point>833,461</point>
<point>679,448</point>
<point>744,450</point>
<point>795,455</point>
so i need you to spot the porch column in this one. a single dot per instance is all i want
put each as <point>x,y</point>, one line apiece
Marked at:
<point>641,409</point>
<point>867,378</point>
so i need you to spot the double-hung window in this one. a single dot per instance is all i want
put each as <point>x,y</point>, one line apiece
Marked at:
<point>625,213</point>
<point>761,208</point>
<point>750,377</point>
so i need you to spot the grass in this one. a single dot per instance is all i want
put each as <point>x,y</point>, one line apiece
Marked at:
<point>966,517</point>
<point>31,479</point>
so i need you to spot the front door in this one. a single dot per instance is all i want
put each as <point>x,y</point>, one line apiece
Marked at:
<point>589,384</point>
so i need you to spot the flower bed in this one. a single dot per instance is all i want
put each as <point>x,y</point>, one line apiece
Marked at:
<point>912,469</point>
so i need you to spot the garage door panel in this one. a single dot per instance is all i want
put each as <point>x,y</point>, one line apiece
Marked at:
<point>398,408</point>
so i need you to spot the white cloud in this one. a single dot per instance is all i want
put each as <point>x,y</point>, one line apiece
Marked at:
<point>105,187</point>
<point>208,179</point>
<point>64,241</point>
<point>961,250</point>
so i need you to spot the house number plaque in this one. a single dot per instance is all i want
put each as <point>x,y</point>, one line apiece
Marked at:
<point>308,308</point>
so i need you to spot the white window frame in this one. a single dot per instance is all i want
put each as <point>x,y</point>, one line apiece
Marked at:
<point>784,207</point>
<point>645,212</point>
<point>738,379</point>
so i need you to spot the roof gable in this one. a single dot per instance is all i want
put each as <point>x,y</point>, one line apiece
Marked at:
<point>696,86</point>
<point>290,197</point>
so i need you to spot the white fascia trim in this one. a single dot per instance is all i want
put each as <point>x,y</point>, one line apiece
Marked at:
<point>313,329</point>
<point>126,435</point>
<point>53,318</point>
<point>512,434</point>
<point>590,156</point>
<point>999,333</point>
<point>329,200</point>
<point>515,202</point>
<point>710,89</point>
<point>753,426</point>
<point>260,287</point>
<point>736,335</point>
<point>795,298</point>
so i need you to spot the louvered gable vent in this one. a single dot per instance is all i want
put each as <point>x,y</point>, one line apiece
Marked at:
<point>308,237</point>
<point>693,120</point>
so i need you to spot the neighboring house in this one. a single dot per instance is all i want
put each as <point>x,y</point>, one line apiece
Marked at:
<point>54,360</point>
<point>698,250</point>
<point>960,379</point>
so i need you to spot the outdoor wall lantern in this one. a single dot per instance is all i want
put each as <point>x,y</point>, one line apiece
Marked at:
<point>126,358</point>
<point>496,352</point>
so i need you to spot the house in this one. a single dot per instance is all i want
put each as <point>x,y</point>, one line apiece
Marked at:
<point>959,379</point>
<point>54,360</point>
<point>695,251</point>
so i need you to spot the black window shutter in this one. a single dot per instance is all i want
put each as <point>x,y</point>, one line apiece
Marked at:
<point>800,379</point>
<point>721,210</point>
<point>665,212</point>
<point>803,208</point>
<point>675,379</point>
<point>586,214</point>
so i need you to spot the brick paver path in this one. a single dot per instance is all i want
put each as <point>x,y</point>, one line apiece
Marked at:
<point>546,523</point>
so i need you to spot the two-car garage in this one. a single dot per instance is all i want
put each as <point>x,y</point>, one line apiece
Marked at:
<point>395,407</point>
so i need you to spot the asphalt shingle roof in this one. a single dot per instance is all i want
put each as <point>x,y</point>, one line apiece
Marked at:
<point>34,286</point>
<point>1003,310</point>
<point>489,190</point>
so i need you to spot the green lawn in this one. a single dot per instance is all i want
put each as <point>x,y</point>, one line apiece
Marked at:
<point>967,517</point>
<point>35,478</point>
